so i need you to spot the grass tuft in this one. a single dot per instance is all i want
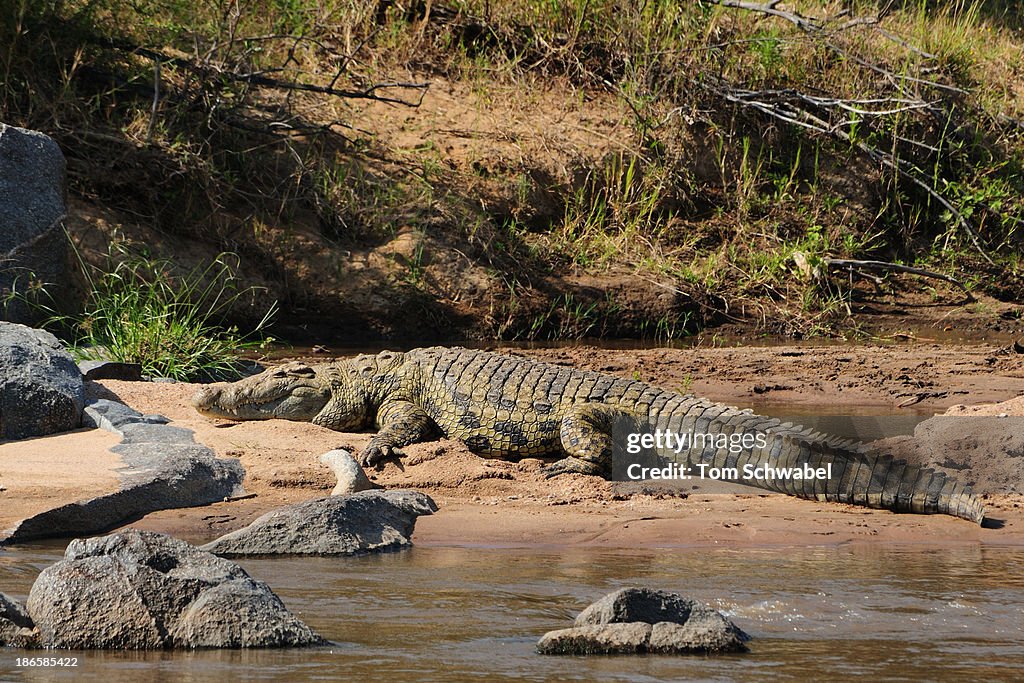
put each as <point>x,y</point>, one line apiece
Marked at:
<point>144,310</point>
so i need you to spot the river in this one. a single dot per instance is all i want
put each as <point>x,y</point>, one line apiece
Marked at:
<point>453,613</point>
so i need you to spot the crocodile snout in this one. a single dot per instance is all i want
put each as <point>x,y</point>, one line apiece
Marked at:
<point>205,397</point>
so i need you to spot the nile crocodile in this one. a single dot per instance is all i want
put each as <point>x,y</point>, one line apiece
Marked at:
<point>511,407</point>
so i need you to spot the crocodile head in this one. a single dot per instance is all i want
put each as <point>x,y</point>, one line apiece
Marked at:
<point>294,391</point>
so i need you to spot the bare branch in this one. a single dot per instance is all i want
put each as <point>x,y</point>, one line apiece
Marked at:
<point>805,23</point>
<point>810,25</point>
<point>259,78</point>
<point>786,111</point>
<point>904,44</point>
<point>885,266</point>
<point>894,77</point>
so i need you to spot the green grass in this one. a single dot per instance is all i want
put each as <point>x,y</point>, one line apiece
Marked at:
<point>146,311</point>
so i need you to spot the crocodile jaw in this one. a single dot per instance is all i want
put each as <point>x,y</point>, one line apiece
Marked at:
<point>291,392</point>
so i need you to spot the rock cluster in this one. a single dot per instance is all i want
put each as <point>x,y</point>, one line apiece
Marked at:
<point>642,620</point>
<point>139,590</point>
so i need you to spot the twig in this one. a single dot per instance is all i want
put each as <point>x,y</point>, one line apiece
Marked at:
<point>1003,118</point>
<point>258,78</point>
<point>156,101</point>
<point>904,44</point>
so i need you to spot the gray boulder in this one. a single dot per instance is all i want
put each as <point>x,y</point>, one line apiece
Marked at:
<point>33,246</point>
<point>163,468</point>
<point>16,627</point>
<point>364,522</point>
<point>41,389</point>
<point>140,590</point>
<point>985,452</point>
<point>642,620</point>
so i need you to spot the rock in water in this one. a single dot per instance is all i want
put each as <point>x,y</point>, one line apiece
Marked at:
<point>642,620</point>
<point>139,590</point>
<point>369,521</point>
<point>33,246</point>
<point>16,627</point>
<point>41,389</point>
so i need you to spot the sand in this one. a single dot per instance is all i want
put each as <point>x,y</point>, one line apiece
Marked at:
<point>40,474</point>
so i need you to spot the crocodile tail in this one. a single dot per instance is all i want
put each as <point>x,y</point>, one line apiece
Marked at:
<point>857,474</point>
<point>860,476</point>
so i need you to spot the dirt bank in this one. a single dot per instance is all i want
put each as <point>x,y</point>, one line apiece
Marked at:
<point>490,502</point>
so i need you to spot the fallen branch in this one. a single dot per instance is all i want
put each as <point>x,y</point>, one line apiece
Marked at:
<point>885,266</point>
<point>213,71</point>
<point>803,22</point>
<point>809,25</point>
<point>788,112</point>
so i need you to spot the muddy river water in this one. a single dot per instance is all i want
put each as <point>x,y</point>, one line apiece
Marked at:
<point>454,613</point>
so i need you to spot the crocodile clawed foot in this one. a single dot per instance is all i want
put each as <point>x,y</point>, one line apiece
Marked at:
<point>376,454</point>
<point>570,465</point>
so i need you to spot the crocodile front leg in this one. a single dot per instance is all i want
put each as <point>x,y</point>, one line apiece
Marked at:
<point>401,423</point>
<point>586,435</point>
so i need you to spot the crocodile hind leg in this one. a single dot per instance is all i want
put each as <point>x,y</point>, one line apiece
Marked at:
<point>586,435</point>
<point>401,423</point>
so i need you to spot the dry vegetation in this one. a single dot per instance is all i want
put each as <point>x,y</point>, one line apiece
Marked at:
<point>536,169</point>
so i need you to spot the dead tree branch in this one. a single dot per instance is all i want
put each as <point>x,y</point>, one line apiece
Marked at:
<point>211,70</point>
<point>854,265</point>
<point>785,106</point>
<point>804,23</point>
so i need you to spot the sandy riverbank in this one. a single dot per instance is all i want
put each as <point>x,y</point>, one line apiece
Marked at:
<point>487,502</point>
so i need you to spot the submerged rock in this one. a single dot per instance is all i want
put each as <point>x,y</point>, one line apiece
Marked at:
<point>16,627</point>
<point>140,590</point>
<point>41,390</point>
<point>642,620</point>
<point>369,521</point>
